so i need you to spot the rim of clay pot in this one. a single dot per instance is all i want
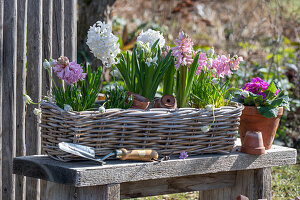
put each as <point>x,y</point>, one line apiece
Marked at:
<point>252,110</point>
<point>137,97</point>
<point>168,100</point>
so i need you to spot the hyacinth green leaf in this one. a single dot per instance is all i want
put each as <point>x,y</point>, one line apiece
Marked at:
<point>122,67</point>
<point>168,80</point>
<point>188,80</point>
<point>268,112</point>
<point>154,46</point>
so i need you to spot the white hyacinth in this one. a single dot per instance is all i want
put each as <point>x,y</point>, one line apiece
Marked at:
<point>245,93</point>
<point>103,43</point>
<point>52,62</point>
<point>115,73</point>
<point>141,46</point>
<point>37,112</point>
<point>215,80</point>
<point>46,64</point>
<point>211,52</point>
<point>27,99</point>
<point>150,37</point>
<point>205,129</point>
<point>150,60</point>
<point>101,109</point>
<point>68,108</point>
<point>209,107</point>
<point>209,62</point>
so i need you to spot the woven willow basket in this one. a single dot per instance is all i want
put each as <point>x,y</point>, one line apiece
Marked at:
<point>163,130</point>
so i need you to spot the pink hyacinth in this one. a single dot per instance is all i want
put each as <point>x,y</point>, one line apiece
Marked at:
<point>221,66</point>
<point>183,51</point>
<point>224,64</point>
<point>71,72</point>
<point>202,62</point>
<point>234,62</point>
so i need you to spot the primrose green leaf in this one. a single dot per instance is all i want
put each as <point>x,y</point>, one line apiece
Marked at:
<point>268,112</point>
<point>270,91</point>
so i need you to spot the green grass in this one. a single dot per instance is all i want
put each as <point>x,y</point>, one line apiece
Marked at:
<point>285,185</point>
<point>286,182</point>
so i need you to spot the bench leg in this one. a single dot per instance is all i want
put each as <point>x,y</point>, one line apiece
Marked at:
<point>54,191</point>
<point>255,184</point>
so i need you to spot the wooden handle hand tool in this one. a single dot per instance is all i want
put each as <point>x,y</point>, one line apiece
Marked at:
<point>123,154</point>
<point>137,154</point>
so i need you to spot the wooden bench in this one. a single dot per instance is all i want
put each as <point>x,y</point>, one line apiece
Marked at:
<point>218,176</point>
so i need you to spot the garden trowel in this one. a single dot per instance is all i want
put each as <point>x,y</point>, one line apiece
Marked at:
<point>122,154</point>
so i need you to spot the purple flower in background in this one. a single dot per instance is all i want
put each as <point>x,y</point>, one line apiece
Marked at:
<point>257,86</point>
<point>71,72</point>
<point>183,51</point>
<point>183,155</point>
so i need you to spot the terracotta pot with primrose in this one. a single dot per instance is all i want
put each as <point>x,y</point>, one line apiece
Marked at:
<point>252,120</point>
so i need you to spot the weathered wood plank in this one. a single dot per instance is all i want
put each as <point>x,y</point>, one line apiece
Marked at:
<point>70,29</point>
<point>21,85</point>
<point>178,184</point>
<point>244,184</point>
<point>58,32</point>
<point>1,75</point>
<point>89,173</point>
<point>34,87</point>
<point>9,99</point>
<point>104,192</point>
<point>47,42</point>
<point>263,185</point>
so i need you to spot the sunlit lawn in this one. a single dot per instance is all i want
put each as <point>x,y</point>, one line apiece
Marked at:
<point>285,185</point>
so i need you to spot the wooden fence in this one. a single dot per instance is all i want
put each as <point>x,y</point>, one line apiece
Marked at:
<point>30,31</point>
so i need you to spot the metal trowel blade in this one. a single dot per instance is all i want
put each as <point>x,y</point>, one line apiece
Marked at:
<point>79,150</point>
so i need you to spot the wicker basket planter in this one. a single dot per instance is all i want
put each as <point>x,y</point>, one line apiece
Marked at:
<point>164,130</point>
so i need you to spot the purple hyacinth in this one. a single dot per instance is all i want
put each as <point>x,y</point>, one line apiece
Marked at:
<point>183,155</point>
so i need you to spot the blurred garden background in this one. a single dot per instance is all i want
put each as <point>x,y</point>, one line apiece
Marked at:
<point>266,33</point>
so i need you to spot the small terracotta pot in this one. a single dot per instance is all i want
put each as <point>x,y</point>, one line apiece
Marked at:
<point>252,120</point>
<point>139,102</point>
<point>253,143</point>
<point>166,101</point>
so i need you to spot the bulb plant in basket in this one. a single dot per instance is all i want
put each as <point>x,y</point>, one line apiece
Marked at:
<point>199,75</point>
<point>143,69</point>
<point>264,105</point>
<point>82,85</point>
